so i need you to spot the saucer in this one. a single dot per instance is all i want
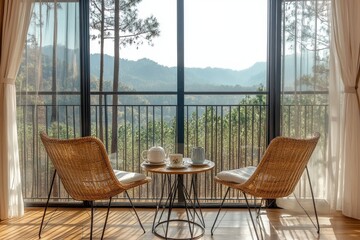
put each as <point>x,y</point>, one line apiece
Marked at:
<point>206,162</point>
<point>145,163</point>
<point>176,166</point>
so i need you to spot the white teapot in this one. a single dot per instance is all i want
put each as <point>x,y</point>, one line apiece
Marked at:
<point>155,154</point>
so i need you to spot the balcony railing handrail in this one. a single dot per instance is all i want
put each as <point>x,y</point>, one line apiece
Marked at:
<point>166,92</point>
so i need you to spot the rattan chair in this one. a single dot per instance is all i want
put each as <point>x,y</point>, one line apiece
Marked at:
<point>277,174</point>
<point>84,169</point>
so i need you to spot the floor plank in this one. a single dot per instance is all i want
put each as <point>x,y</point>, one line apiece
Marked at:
<point>68,223</point>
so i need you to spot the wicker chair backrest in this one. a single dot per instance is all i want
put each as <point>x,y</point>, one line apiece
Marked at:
<point>83,167</point>
<point>281,167</point>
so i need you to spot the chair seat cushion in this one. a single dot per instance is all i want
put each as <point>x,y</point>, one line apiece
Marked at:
<point>240,175</point>
<point>128,177</point>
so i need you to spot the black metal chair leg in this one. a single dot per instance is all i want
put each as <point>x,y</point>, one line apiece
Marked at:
<point>137,216</point>
<point>47,203</point>
<point>251,216</point>
<point>222,203</point>
<point>313,201</point>
<point>106,218</point>
<point>92,218</point>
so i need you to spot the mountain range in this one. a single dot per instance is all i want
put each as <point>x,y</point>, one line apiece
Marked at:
<point>147,75</point>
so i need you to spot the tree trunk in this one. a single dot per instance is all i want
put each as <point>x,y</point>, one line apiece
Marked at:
<point>65,68</point>
<point>54,113</point>
<point>54,63</point>
<point>101,126</point>
<point>38,86</point>
<point>116,78</point>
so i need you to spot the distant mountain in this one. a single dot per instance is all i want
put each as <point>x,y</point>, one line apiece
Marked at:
<point>251,77</point>
<point>140,75</point>
<point>147,75</point>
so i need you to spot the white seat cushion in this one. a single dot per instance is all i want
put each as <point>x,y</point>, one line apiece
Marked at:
<point>240,175</point>
<point>128,177</point>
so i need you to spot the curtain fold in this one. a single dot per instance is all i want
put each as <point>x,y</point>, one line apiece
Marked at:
<point>344,119</point>
<point>15,17</point>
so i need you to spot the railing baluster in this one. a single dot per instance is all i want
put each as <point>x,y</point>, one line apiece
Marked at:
<point>106,123</point>
<point>246,137</point>
<point>25,186</point>
<point>74,121</point>
<point>161,126</point>
<point>35,159</point>
<point>187,130</point>
<point>231,159</point>
<point>252,134</point>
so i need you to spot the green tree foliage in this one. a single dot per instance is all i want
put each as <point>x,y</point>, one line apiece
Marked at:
<point>306,28</point>
<point>133,30</point>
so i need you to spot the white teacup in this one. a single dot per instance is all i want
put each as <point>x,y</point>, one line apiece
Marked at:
<point>198,155</point>
<point>176,160</point>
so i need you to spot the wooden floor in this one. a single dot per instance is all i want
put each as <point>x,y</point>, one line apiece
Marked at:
<point>65,223</point>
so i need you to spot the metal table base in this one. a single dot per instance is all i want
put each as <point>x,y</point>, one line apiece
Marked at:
<point>162,218</point>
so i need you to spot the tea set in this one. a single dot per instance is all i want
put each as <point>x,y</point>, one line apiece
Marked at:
<point>156,155</point>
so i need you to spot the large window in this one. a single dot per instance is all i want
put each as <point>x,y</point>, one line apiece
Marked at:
<point>177,73</point>
<point>139,98</point>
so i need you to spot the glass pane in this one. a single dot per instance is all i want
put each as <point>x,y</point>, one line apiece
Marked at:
<point>305,73</point>
<point>147,46</point>
<point>141,58</point>
<point>225,45</point>
<point>305,66</point>
<point>48,92</point>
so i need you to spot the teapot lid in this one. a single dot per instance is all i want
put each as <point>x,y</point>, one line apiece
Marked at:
<point>156,148</point>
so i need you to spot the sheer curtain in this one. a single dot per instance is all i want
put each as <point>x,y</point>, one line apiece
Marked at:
<point>48,92</point>
<point>304,93</point>
<point>344,151</point>
<point>320,92</point>
<point>15,17</point>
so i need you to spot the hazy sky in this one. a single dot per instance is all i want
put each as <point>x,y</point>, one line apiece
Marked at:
<point>218,33</point>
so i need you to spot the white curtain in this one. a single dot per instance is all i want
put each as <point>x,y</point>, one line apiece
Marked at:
<point>304,84</point>
<point>48,92</point>
<point>344,132</point>
<point>15,21</point>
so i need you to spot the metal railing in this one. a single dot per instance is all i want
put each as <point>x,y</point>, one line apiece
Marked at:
<point>233,136</point>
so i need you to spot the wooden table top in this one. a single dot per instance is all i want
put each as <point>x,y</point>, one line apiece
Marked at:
<point>187,169</point>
